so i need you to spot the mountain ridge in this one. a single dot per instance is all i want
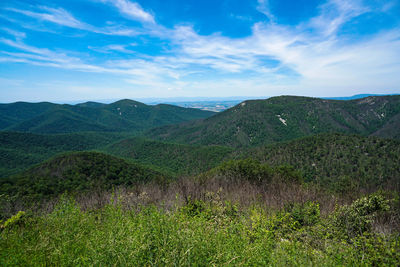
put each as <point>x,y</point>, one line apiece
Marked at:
<point>123,115</point>
<point>255,122</point>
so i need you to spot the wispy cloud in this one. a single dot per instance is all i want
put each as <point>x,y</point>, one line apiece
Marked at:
<point>138,70</point>
<point>264,8</point>
<point>62,17</point>
<point>132,10</point>
<point>55,15</point>
<point>114,48</point>
<point>335,13</point>
<point>17,34</point>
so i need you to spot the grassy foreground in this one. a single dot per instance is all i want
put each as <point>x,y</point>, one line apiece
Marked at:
<point>202,233</point>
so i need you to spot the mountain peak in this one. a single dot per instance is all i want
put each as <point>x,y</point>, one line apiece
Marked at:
<point>127,102</point>
<point>90,104</point>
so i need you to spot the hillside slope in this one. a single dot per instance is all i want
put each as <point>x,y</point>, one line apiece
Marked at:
<point>17,112</point>
<point>276,119</point>
<point>176,159</point>
<point>340,162</point>
<point>21,150</point>
<point>77,172</point>
<point>124,115</point>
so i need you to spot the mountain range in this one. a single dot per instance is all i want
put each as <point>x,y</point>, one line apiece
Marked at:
<point>120,116</point>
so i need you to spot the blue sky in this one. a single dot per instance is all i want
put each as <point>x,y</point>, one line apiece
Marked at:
<point>108,49</point>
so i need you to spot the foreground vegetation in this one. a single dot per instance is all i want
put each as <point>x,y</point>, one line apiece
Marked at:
<point>203,232</point>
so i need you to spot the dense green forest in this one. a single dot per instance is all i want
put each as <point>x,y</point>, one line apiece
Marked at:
<point>77,172</point>
<point>337,161</point>
<point>18,151</point>
<point>172,158</point>
<point>341,162</point>
<point>283,181</point>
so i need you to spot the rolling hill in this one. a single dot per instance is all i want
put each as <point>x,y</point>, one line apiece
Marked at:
<point>19,151</point>
<point>175,159</point>
<point>121,116</point>
<point>77,172</point>
<point>13,113</point>
<point>284,118</point>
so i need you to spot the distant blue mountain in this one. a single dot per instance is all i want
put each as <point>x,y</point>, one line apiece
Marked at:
<point>354,96</point>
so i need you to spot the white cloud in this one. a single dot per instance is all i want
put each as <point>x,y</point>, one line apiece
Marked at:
<point>64,18</point>
<point>132,10</point>
<point>335,13</point>
<point>17,34</point>
<point>113,48</point>
<point>55,15</point>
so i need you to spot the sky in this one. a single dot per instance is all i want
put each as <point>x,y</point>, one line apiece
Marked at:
<point>57,50</point>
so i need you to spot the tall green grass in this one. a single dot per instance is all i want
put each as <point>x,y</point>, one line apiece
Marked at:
<point>200,233</point>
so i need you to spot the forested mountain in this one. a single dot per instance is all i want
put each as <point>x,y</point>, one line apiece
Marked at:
<point>13,113</point>
<point>124,115</point>
<point>336,161</point>
<point>283,118</point>
<point>77,172</point>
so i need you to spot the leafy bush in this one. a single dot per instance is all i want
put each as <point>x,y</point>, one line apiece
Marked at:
<point>15,220</point>
<point>212,209</point>
<point>254,171</point>
<point>355,219</point>
<point>248,169</point>
<point>306,214</point>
